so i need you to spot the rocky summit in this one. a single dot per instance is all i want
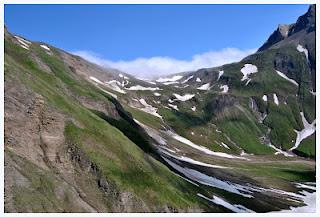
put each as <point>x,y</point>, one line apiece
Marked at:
<point>235,138</point>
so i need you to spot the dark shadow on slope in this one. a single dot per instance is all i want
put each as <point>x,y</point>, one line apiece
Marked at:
<point>130,130</point>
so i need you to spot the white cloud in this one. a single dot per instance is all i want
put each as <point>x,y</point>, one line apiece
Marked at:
<point>160,66</point>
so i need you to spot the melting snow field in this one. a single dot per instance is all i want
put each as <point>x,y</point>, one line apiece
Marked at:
<point>139,87</point>
<point>149,108</point>
<point>204,87</point>
<point>247,70</point>
<point>244,190</point>
<point>309,199</point>
<point>219,201</point>
<point>301,49</point>
<point>275,99</point>
<point>308,130</point>
<point>114,86</point>
<point>204,179</point>
<point>288,79</point>
<point>172,79</point>
<point>184,97</point>
<point>200,148</point>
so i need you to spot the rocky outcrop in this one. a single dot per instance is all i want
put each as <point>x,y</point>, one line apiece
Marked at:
<point>121,201</point>
<point>279,34</point>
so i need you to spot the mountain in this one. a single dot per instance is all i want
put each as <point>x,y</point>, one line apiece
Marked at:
<point>302,32</point>
<point>234,138</point>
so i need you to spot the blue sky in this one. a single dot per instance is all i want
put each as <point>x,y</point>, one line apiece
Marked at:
<point>110,33</point>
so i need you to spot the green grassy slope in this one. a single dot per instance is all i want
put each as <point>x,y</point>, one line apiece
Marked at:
<point>121,161</point>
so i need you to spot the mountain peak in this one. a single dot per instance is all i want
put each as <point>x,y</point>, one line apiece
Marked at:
<point>305,22</point>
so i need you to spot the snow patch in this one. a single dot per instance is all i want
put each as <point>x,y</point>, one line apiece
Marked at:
<point>172,79</point>
<point>279,151</point>
<point>313,93</point>
<point>204,87</point>
<point>225,88</point>
<point>308,130</point>
<point>173,106</point>
<point>111,94</point>
<point>139,87</point>
<point>114,85</point>
<point>204,179</point>
<point>96,80</point>
<point>185,81</point>
<point>301,49</point>
<point>288,79</point>
<point>247,70</point>
<point>219,201</point>
<point>275,99</point>
<point>45,47</point>
<point>265,98</point>
<point>27,48</point>
<point>198,80</point>
<point>225,145</point>
<point>220,74</point>
<point>23,43</point>
<point>192,161</point>
<point>170,82</point>
<point>184,97</point>
<point>200,148</point>
<point>193,108</point>
<point>176,86</point>
<point>156,94</point>
<point>308,198</point>
<point>149,108</point>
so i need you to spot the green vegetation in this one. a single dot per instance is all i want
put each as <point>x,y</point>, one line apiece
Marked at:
<point>307,147</point>
<point>121,161</point>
